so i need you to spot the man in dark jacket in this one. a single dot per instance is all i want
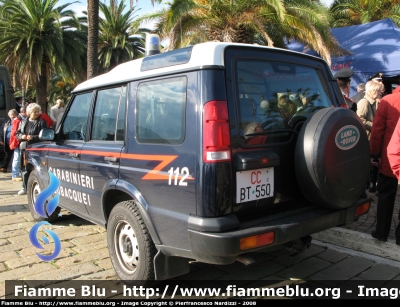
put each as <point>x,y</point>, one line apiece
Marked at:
<point>19,103</point>
<point>360,93</point>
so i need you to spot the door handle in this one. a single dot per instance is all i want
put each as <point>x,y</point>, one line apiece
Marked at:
<point>111,159</point>
<point>74,155</point>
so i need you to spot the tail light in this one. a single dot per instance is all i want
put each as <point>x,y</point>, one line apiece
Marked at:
<point>364,208</point>
<point>216,137</point>
<point>257,241</point>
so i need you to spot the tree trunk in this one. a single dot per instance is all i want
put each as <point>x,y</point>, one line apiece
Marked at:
<point>41,88</point>
<point>244,35</point>
<point>93,38</point>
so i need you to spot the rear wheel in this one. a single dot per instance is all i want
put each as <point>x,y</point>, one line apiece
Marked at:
<point>34,187</point>
<point>131,248</point>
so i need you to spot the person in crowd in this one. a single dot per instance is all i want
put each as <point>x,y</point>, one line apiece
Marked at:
<point>5,133</point>
<point>344,78</point>
<point>14,145</point>
<point>46,118</point>
<point>360,93</point>
<point>56,112</point>
<point>366,109</point>
<point>22,113</point>
<point>19,103</point>
<point>385,121</point>
<point>379,78</point>
<point>28,131</point>
<point>393,151</point>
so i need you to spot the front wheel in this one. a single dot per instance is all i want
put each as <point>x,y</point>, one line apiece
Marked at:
<point>130,246</point>
<point>34,187</point>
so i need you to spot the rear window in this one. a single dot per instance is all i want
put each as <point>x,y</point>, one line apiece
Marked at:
<point>274,95</point>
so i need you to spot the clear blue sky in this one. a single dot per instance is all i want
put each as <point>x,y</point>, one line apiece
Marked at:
<point>144,5</point>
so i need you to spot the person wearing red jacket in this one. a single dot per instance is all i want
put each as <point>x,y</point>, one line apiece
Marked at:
<point>46,118</point>
<point>385,121</point>
<point>393,151</point>
<point>14,145</point>
<point>5,133</point>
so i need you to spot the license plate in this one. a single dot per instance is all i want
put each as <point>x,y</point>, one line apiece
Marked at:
<point>254,184</point>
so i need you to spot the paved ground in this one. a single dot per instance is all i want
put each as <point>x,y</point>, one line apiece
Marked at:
<point>84,254</point>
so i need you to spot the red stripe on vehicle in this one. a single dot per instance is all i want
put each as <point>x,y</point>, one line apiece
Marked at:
<point>151,175</point>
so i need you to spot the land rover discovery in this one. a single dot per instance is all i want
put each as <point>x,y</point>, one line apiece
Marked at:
<point>205,153</point>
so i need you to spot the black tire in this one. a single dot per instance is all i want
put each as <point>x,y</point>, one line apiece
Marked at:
<point>34,187</point>
<point>126,229</point>
<point>332,158</point>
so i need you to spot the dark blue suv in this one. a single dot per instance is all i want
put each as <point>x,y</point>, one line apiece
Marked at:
<point>206,153</point>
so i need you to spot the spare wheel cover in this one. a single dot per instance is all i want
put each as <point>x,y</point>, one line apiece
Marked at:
<point>332,158</point>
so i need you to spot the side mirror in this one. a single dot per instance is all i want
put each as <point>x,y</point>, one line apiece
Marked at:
<point>46,134</point>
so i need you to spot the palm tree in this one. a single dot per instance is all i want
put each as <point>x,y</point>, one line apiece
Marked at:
<point>267,22</point>
<point>61,88</point>
<point>353,12</point>
<point>93,35</point>
<point>93,38</point>
<point>36,39</point>
<point>120,39</point>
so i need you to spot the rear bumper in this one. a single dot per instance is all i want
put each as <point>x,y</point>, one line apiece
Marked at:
<point>217,240</point>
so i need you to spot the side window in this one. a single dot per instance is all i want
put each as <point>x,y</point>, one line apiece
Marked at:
<point>161,108</point>
<point>74,125</point>
<point>121,116</point>
<point>2,96</point>
<point>105,114</point>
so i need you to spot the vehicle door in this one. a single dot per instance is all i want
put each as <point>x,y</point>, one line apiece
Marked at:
<point>101,153</point>
<point>161,159</point>
<point>272,94</point>
<point>65,153</point>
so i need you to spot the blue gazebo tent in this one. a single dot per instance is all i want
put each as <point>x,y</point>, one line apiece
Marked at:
<point>375,48</point>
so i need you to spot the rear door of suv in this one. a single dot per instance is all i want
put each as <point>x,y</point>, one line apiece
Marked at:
<point>270,95</point>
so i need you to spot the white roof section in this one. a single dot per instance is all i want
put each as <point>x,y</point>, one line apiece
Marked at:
<point>204,54</point>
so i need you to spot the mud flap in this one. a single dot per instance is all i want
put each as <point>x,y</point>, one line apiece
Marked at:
<point>166,267</point>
